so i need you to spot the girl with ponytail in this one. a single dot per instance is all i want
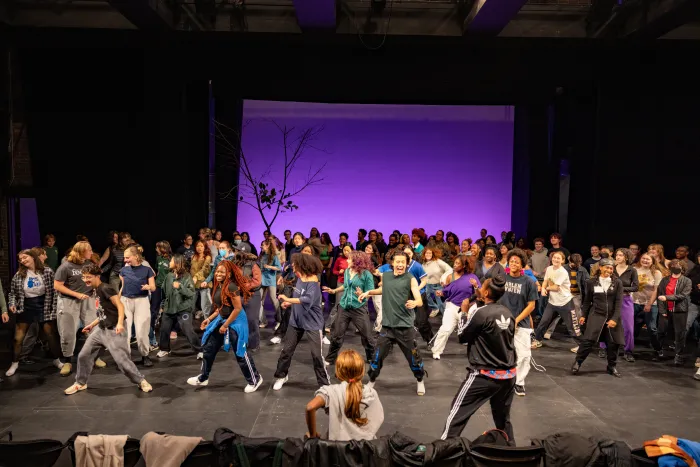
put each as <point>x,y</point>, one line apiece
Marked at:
<point>354,410</point>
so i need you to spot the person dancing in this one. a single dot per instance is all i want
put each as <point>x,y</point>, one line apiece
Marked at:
<point>358,279</point>
<point>137,281</point>
<point>490,333</point>
<point>421,314</point>
<point>32,299</point>
<point>73,306</point>
<point>461,285</point>
<point>178,302</point>
<point>520,298</point>
<point>227,326</point>
<point>601,315</point>
<point>306,319</point>
<point>106,332</point>
<point>400,297</point>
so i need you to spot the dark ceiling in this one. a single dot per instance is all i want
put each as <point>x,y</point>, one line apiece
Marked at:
<point>371,20</point>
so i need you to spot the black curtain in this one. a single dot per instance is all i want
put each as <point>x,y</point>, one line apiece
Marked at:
<point>635,171</point>
<point>118,141</point>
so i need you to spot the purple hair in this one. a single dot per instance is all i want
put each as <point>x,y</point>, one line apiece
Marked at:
<point>361,261</point>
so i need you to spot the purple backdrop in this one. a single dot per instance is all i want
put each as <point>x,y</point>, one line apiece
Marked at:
<point>388,167</point>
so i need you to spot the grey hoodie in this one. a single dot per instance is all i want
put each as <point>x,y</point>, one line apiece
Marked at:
<point>341,428</point>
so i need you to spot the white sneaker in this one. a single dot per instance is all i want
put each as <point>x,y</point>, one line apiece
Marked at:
<point>163,353</point>
<point>276,340</point>
<point>370,385</point>
<point>194,381</point>
<point>420,390</point>
<point>326,341</point>
<point>279,382</point>
<point>250,388</point>
<point>436,356</point>
<point>277,326</point>
<point>325,362</point>
<point>13,369</point>
<point>58,363</point>
<point>575,349</point>
<point>697,375</point>
<point>378,327</point>
<point>200,355</point>
<point>434,313</point>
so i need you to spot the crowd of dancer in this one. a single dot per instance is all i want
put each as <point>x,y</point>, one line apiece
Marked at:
<point>503,299</point>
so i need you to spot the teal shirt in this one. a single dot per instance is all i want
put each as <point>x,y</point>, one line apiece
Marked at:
<point>162,270</point>
<point>364,281</point>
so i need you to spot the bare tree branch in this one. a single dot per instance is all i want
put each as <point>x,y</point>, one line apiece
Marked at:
<point>261,195</point>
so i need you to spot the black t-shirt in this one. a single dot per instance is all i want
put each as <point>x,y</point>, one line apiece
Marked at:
<point>225,310</point>
<point>107,313</point>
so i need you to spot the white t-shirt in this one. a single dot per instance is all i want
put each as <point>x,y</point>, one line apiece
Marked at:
<point>605,283</point>
<point>34,285</point>
<point>559,277</point>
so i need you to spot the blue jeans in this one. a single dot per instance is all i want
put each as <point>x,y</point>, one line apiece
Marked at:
<point>434,302</point>
<point>650,319</point>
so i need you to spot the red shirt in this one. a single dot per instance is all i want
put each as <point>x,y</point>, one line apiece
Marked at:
<point>341,262</point>
<point>670,290</point>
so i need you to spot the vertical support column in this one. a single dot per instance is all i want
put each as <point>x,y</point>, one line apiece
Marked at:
<point>229,113</point>
<point>212,162</point>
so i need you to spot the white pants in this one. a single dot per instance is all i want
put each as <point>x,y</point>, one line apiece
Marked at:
<point>377,302</point>
<point>450,321</point>
<point>523,353</point>
<point>137,311</point>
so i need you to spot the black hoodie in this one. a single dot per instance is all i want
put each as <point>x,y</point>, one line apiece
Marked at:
<point>489,333</point>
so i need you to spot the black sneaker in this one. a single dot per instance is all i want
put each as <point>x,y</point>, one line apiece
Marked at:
<point>629,357</point>
<point>657,356</point>
<point>519,390</point>
<point>678,360</point>
<point>147,362</point>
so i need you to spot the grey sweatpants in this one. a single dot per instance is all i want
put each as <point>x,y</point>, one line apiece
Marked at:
<point>138,311</point>
<point>118,346</point>
<point>71,312</point>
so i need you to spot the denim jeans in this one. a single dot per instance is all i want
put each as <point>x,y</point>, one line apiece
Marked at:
<point>434,302</point>
<point>649,318</point>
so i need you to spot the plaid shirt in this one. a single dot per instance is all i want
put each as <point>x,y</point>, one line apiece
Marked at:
<point>16,296</point>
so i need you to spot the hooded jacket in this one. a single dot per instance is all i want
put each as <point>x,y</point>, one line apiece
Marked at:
<point>180,299</point>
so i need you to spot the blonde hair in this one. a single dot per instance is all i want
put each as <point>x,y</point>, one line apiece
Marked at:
<point>135,251</point>
<point>350,367</point>
<point>77,253</point>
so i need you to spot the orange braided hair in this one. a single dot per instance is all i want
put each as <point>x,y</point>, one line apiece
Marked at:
<point>235,273</point>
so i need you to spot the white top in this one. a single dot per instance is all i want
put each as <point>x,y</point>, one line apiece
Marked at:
<point>435,270</point>
<point>559,277</point>
<point>34,285</point>
<point>605,282</point>
<point>648,283</point>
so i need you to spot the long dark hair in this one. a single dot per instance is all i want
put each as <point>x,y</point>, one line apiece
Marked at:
<point>271,251</point>
<point>38,265</point>
<point>180,268</point>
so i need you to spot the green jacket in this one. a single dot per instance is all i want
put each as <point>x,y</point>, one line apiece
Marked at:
<point>162,269</point>
<point>364,281</point>
<point>180,299</point>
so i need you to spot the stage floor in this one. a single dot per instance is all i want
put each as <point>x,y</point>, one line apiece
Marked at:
<point>651,399</point>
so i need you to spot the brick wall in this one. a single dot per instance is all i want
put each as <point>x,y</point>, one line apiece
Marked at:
<point>19,176</point>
